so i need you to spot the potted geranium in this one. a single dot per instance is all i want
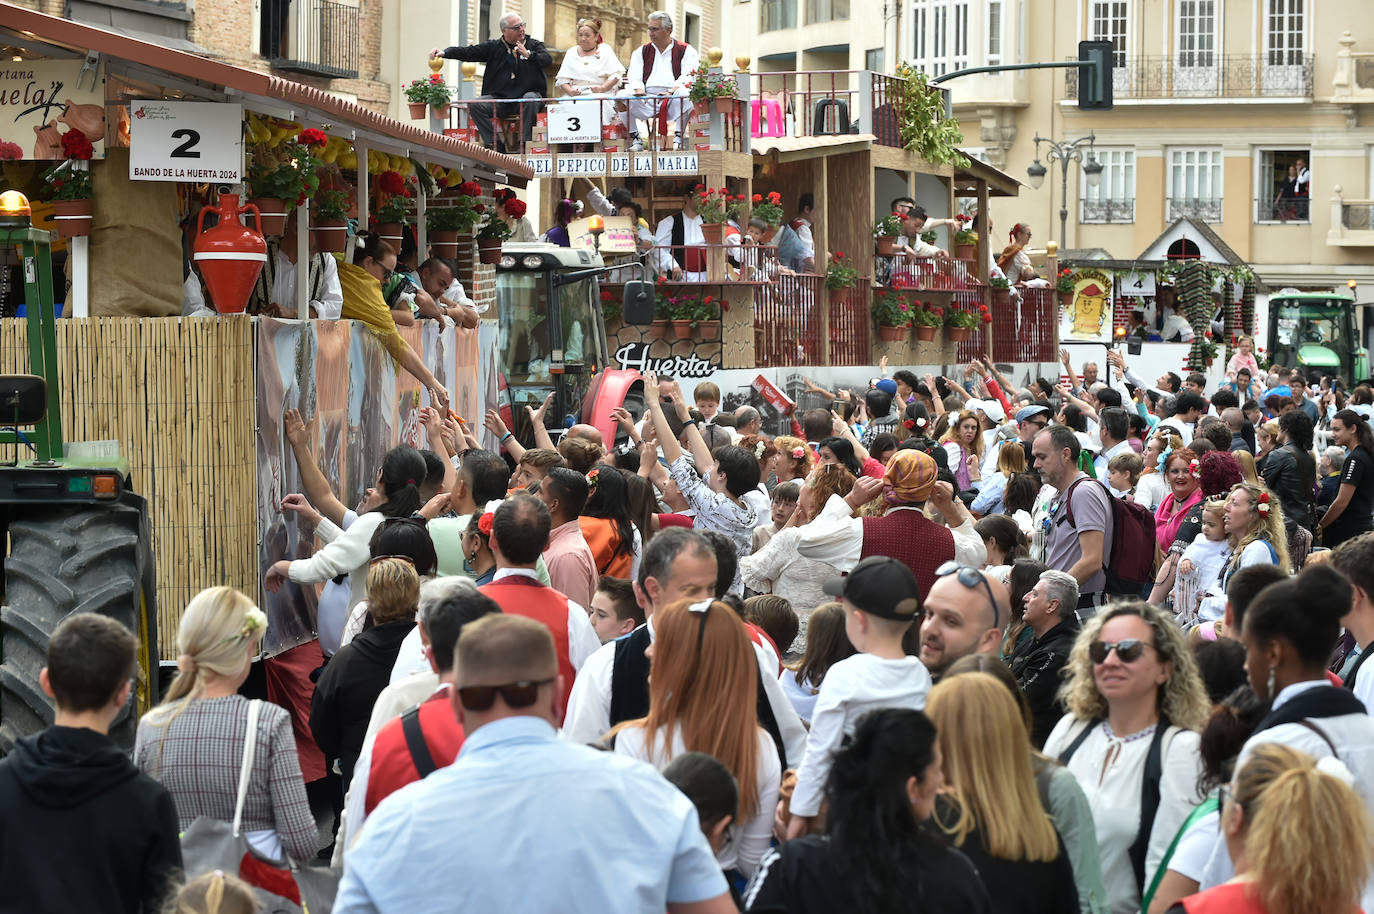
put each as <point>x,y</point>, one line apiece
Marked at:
<point>840,274</point>
<point>959,323</point>
<point>715,206</point>
<point>885,233</point>
<point>769,209</point>
<point>421,93</point>
<point>1063,284</point>
<point>444,223</point>
<point>712,91</point>
<point>1001,290</point>
<point>69,187</point>
<point>393,208</point>
<point>329,220</point>
<point>965,239</point>
<point>892,312</point>
<point>282,177</point>
<point>492,232</point>
<point>611,313</point>
<point>928,319</point>
<point>663,309</point>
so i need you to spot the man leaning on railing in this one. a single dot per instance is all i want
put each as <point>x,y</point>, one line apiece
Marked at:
<point>515,66</point>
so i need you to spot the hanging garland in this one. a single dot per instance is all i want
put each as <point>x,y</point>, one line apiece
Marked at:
<point>1228,314</point>
<point>1195,298</point>
<point>1247,306</point>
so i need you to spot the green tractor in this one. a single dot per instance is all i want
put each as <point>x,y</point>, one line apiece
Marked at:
<point>1316,332</point>
<point>77,536</point>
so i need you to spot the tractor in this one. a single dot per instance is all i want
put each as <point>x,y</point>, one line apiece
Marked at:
<point>561,350</point>
<point>1317,333</point>
<point>78,536</point>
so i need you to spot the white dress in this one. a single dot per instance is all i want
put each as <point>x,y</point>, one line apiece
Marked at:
<point>1110,771</point>
<point>779,570</point>
<point>591,72</point>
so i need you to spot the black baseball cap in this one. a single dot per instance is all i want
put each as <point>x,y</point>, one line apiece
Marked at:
<point>881,586</point>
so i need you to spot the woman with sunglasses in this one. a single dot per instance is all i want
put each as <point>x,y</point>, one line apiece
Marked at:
<point>1303,841</point>
<point>1135,702</point>
<point>395,494</point>
<point>877,853</point>
<point>703,687</point>
<point>374,262</point>
<point>990,808</point>
<point>356,675</point>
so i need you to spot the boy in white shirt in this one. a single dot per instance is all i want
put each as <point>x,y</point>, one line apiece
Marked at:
<point>881,601</point>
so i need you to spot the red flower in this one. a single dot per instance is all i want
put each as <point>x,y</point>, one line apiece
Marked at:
<point>10,151</point>
<point>470,189</point>
<point>839,255</point>
<point>484,523</point>
<point>436,79</point>
<point>312,138</point>
<point>515,208</point>
<point>700,188</point>
<point>76,146</point>
<point>391,182</point>
<point>606,295</point>
<point>987,318</point>
<point>481,207</point>
<point>708,299</point>
<point>774,197</point>
<point>725,306</point>
<point>758,198</point>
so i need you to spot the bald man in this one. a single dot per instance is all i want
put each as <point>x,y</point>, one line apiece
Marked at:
<point>534,790</point>
<point>589,432</point>
<point>965,611</point>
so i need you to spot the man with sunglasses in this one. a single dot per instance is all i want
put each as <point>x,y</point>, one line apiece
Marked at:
<point>1078,529</point>
<point>964,612</point>
<point>515,65</point>
<point>539,798</point>
<point>1036,663</point>
<point>1030,421</point>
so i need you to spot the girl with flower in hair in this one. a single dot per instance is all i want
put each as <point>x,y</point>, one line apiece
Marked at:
<point>193,743</point>
<point>794,459</point>
<point>563,213</point>
<point>1254,530</point>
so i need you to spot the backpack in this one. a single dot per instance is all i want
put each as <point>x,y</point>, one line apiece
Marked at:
<point>1131,562</point>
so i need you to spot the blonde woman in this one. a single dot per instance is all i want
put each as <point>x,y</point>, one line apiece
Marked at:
<point>1300,837</point>
<point>356,675</point>
<point>1247,466</point>
<point>1254,528</point>
<point>1266,438</point>
<point>1133,692</point>
<point>963,442</point>
<point>794,459</point>
<point>991,808</point>
<point>193,742</point>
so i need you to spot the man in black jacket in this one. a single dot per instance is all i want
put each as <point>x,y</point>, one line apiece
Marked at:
<point>1036,663</point>
<point>82,829</point>
<point>515,69</point>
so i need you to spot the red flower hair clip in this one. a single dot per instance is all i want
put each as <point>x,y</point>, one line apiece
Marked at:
<point>1262,504</point>
<point>798,452</point>
<point>593,478</point>
<point>1193,470</point>
<point>484,524</point>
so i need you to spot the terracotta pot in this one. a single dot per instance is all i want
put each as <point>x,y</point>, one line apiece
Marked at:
<point>723,105</point>
<point>708,331</point>
<point>89,119</point>
<point>957,334</point>
<point>925,333</point>
<point>444,244</point>
<point>701,107</point>
<point>886,245</point>
<point>329,235</point>
<point>392,233</point>
<point>417,111</point>
<point>713,232</point>
<point>488,251</point>
<point>892,334</point>
<point>658,329</point>
<point>963,252</point>
<point>1001,297</point>
<point>272,212</point>
<point>769,235</point>
<point>682,329</point>
<point>230,255</point>
<point>441,111</point>
<point>73,218</point>
<point>1065,299</point>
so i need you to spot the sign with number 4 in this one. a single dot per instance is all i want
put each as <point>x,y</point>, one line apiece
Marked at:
<point>575,122</point>
<point>196,142</point>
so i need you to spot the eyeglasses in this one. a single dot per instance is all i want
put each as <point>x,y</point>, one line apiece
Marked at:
<point>514,28</point>
<point>519,694</point>
<point>387,274</point>
<point>1127,651</point>
<point>971,577</point>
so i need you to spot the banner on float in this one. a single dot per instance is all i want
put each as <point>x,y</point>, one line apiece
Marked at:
<point>1088,317</point>
<point>42,101</point>
<point>614,165</point>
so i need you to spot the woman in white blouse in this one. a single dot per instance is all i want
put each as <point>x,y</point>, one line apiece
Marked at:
<point>591,68</point>
<point>1133,692</point>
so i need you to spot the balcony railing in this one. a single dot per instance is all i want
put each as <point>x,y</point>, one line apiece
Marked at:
<point>1216,76</point>
<point>1202,209</point>
<point>1296,210</point>
<point>324,43</point>
<point>1106,211</point>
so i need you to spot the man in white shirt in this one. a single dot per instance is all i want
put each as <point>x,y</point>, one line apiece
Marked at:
<point>1114,427</point>
<point>680,250</point>
<point>806,214</point>
<point>662,67</point>
<point>275,291</point>
<point>913,225</point>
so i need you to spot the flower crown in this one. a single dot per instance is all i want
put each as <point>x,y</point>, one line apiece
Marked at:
<point>593,479</point>
<point>484,523</point>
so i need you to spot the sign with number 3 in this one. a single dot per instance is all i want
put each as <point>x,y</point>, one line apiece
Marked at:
<point>575,121</point>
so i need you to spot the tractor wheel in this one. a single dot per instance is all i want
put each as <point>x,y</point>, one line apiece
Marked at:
<point>87,558</point>
<point>634,404</point>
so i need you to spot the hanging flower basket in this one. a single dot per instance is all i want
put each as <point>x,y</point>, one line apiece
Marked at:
<point>891,334</point>
<point>445,244</point>
<point>329,235</point>
<point>73,217</point>
<point>1001,297</point>
<point>441,111</point>
<point>1065,299</point>
<point>723,105</point>
<point>713,232</point>
<point>708,331</point>
<point>957,334</point>
<point>489,251</point>
<point>417,111</point>
<point>925,333</point>
<point>886,245</point>
<point>272,212</point>
<point>682,330</point>
<point>963,252</point>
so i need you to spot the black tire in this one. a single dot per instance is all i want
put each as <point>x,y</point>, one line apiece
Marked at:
<point>85,558</point>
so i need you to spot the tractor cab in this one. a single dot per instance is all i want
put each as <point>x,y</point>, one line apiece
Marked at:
<point>552,339</point>
<point>1315,332</point>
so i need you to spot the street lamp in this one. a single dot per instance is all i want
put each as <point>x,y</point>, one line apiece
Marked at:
<point>1064,153</point>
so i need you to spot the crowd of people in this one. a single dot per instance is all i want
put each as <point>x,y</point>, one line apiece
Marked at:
<point>1090,646</point>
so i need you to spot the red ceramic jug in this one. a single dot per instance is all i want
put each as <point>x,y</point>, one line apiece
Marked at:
<point>230,255</point>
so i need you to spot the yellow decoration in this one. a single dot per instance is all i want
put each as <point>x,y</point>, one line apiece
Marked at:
<point>742,63</point>
<point>348,161</point>
<point>436,64</point>
<point>713,56</point>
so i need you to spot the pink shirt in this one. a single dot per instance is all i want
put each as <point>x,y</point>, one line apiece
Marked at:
<point>572,568</point>
<point>1167,522</point>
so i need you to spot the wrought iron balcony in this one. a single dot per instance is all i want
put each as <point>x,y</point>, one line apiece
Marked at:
<point>321,39</point>
<point>1201,209</point>
<point>1106,211</point>
<point>1208,76</point>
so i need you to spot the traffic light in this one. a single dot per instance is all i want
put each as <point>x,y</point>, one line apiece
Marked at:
<point>1095,78</point>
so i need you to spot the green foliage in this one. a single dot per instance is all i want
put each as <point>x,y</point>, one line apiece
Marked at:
<point>891,309</point>
<point>460,217</point>
<point>67,183</point>
<point>330,206</point>
<point>287,172</point>
<point>922,125</point>
<point>394,210</point>
<point>958,317</point>
<point>493,228</point>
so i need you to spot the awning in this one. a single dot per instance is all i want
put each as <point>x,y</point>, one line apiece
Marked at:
<point>1000,184</point>
<point>143,62</point>
<point>787,148</point>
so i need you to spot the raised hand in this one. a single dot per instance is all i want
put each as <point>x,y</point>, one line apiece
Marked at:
<point>297,431</point>
<point>493,424</point>
<point>537,415</point>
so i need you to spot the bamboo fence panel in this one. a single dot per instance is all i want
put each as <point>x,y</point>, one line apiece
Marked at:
<point>179,397</point>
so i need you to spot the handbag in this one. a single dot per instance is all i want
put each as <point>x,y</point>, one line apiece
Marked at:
<point>212,844</point>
